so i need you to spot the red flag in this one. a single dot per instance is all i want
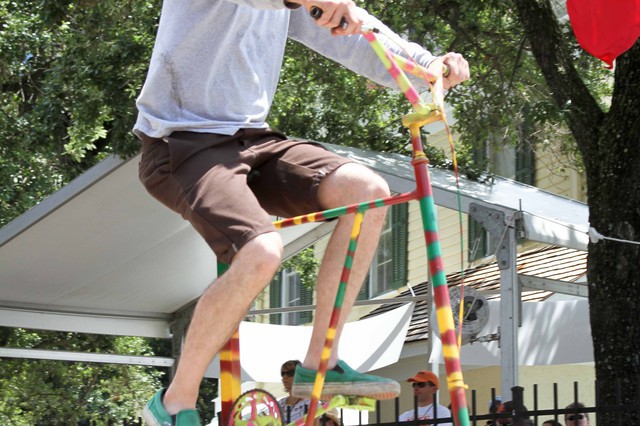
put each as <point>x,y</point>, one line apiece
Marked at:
<point>605,28</point>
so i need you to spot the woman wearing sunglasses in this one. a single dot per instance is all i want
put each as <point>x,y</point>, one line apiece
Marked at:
<point>425,386</point>
<point>292,408</point>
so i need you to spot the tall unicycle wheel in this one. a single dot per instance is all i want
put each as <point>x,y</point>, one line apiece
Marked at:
<point>255,407</point>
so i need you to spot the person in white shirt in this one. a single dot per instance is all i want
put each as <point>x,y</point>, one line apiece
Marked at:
<point>425,386</point>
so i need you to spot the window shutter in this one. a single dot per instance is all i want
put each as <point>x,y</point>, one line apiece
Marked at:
<point>399,236</point>
<point>525,164</point>
<point>525,152</point>
<point>306,298</point>
<point>477,237</point>
<point>364,290</point>
<point>275,298</point>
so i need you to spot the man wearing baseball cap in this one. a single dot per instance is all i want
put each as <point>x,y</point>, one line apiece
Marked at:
<point>425,385</point>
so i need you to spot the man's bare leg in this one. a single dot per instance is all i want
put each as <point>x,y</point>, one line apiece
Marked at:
<point>349,184</point>
<point>219,312</point>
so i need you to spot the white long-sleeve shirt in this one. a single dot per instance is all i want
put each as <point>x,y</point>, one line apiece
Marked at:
<point>216,63</point>
<point>426,413</point>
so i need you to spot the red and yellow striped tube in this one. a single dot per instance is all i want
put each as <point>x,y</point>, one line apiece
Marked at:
<point>340,211</point>
<point>444,314</point>
<point>335,317</point>
<point>413,68</point>
<point>229,374</point>
<point>398,75</point>
<point>229,367</point>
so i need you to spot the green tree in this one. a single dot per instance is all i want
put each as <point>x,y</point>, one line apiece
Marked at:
<point>63,393</point>
<point>69,75</point>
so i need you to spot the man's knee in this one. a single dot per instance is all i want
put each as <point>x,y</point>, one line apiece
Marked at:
<point>266,250</point>
<point>352,183</point>
<point>378,187</point>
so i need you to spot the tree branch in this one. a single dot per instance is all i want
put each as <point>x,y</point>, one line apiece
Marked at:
<point>583,114</point>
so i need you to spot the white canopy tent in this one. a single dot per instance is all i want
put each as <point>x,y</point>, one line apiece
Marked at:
<point>552,333</point>
<point>369,344</point>
<point>101,256</point>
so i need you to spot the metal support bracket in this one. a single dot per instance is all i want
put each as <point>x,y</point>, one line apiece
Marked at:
<point>505,229</point>
<point>493,221</point>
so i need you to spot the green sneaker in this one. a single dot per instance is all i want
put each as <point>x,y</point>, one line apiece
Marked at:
<point>155,414</point>
<point>344,380</point>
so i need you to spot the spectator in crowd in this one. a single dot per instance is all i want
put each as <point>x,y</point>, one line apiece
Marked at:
<point>425,386</point>
<point>551,422</point>
<point>292,408</point>
<point>330,418</point>
<point>493,409</point>
<point>508,407</point>
<point>576,416</point>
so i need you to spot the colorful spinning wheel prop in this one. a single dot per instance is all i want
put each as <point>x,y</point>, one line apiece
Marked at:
<point>255,407</point>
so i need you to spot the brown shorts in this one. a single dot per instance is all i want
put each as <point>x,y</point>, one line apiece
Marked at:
<point>227,186</point>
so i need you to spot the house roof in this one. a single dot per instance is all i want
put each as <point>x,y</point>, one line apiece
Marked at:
<point>553,263</point>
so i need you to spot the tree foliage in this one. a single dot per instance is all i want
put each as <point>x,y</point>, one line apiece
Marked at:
<point>306,264</point>
<point>320,100</point>
<point>63,393</point>
<point>69,75</point>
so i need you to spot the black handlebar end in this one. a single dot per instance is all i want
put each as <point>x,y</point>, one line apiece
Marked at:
<point>315,12</point>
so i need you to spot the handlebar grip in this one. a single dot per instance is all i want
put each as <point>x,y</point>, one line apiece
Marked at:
<point>316,13</point>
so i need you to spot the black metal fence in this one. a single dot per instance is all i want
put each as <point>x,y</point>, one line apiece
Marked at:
<point>619,413</point>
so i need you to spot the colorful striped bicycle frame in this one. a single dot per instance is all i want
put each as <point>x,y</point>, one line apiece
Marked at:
<point>423,115</point>
<point>414,122</point>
